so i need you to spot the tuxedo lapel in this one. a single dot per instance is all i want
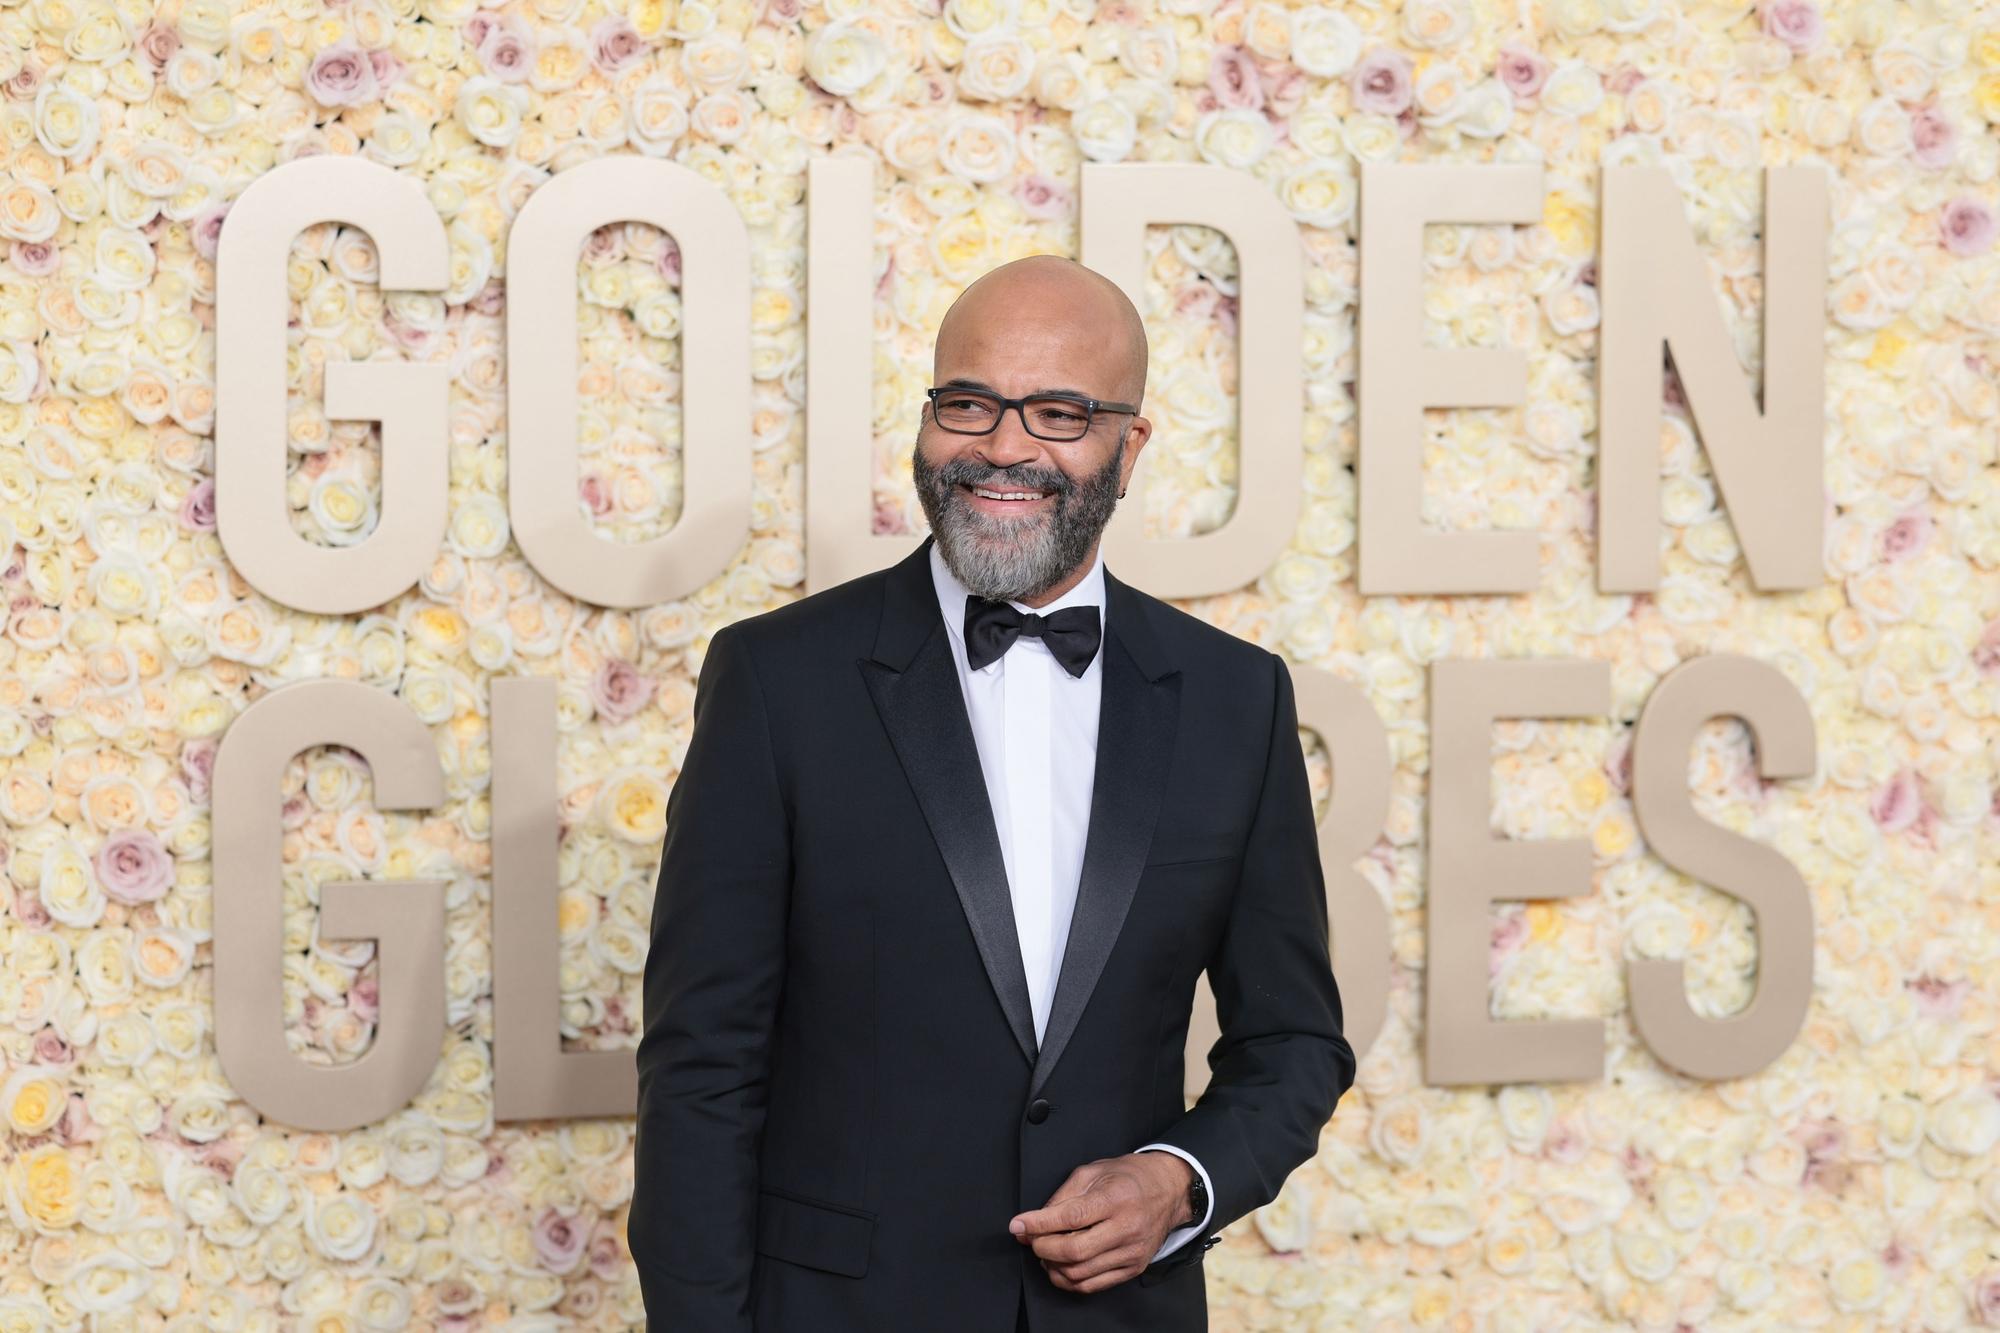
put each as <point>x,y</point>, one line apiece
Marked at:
<point>914,682</point>
<point>1137,720</point>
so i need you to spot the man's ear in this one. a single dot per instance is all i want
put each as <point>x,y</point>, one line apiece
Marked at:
<point>1136,436</point>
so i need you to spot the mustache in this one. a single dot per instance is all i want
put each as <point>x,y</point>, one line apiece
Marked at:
<point>970,473</point>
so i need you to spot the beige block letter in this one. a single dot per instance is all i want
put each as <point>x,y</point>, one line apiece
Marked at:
<point>1119,202</point>
<point>533,1077</point>
<point>1400,377</point>
<point>1744,1042</point>
<point>548,521</point>
<point>1654,290</point>
<point>1471,869</point>
<point>1357,746</point>
<point>405,918</point>
<point>250,415</point>
<point>840,377</point>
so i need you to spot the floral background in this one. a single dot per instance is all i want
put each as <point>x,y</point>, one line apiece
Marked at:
<point>1852,1184</point>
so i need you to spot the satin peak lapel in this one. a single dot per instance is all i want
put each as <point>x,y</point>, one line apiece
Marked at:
<point>1137,720</point>
<point>914,682</point>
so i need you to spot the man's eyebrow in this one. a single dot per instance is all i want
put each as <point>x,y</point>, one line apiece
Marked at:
<point>967,382</point>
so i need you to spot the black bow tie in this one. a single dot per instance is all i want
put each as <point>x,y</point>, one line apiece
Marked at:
<point>991,627</point>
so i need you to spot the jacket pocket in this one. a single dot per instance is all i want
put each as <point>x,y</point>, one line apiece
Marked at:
<point>818,1235</point>
<point>1177,849</point>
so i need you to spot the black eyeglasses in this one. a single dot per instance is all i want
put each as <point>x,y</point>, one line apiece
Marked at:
<point>1046,416</point>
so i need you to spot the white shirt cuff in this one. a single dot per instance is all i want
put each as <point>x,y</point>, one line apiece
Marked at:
<point>1179,1236</point>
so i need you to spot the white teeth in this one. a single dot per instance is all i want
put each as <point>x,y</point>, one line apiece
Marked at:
<point>1008,495</point>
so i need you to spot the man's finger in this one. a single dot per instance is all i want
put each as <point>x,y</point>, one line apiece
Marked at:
<point>1118,1257</point>
<point>1071,1214</point>
<point>1070,1247</point>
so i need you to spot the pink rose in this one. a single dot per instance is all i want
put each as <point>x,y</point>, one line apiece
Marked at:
<point>1986,653</point>
<point>1042,198</point>
<point>76,1126</point>
<point>607,1257</point>
<point>1232,77</point>
<point>473,31</point>
<point>22,86</point>
<point>1896,805</point>
<point>134,866</point>
<point>198,507</point>
<point>36,259</point>
<point>1796,23</point>
<point>1938,999</point>
<point>615,43</point>
<point>364,998</point>
<point>206,230</point>
<point>507,52</point>
<point>1381,82</point>
<point>619,691</point>
<point>158,44</point>
<point>1521,72</point>
<point>197,766</point>
<point>559,1241</point>
<point>50,1048</point>
<point>1966,226</point>
<point>1906,536</point>
<point>387,67</point>
<point>1933,141</point>
<point>29,910</point>
<point>669,261</point>
<point>596,496</point>
<point>1197,299</point>
<point>1986,1297</point>
<point>1509,933</point>
<point>341,75</point>
<point>1284,88</point>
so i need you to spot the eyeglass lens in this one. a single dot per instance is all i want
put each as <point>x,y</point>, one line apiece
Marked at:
<point>975,413</point>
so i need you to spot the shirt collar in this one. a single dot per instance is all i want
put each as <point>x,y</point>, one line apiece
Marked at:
<point>951,594</point>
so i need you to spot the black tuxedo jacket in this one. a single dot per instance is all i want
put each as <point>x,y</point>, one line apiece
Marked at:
<point>841,1099</point>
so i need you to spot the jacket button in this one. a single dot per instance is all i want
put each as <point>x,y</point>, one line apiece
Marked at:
<point>1038,1111</point>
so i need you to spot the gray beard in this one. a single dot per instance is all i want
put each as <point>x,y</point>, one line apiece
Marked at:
<point>1012,560</point>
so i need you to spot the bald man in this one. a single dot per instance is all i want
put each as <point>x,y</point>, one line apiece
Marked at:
<point>950,848</point>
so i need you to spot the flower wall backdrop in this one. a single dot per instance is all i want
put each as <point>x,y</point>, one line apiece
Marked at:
<point>1853,1184</point>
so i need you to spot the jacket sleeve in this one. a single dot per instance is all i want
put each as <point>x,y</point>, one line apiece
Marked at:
<point>714,978</point>
<point>1281,1063</point>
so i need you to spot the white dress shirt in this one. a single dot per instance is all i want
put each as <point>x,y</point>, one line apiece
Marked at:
<point>1036,729</point>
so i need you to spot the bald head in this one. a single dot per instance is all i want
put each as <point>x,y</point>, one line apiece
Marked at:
<point>1052,308</point>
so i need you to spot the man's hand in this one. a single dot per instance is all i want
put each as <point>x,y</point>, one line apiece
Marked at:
<point>1101,1227</point>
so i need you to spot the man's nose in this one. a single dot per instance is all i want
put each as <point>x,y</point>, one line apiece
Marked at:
<point>1009,443</point>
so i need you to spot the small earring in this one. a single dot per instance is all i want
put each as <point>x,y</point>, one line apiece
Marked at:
<point>1121,495</point>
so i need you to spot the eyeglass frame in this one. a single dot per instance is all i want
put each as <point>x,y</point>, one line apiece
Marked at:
<point>1091,406</point>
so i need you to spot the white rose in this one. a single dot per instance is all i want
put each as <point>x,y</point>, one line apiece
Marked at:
<point>340,1226</point>
<point>978,148</point>
<point>490,111</point>
<point>656,117</point>
<point>1325,42</point>
<point>844,57</point>
<point>1436,25</point>
<point>1234,137</point>
<point>1967,1124</point>
<point>1106,130</point>
<point>1573,89</point>
<point>995,67</point>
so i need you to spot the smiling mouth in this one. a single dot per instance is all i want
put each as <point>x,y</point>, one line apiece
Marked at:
<point>1001,498</point>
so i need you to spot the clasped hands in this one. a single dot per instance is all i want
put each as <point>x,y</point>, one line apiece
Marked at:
<point>1102,1225</point>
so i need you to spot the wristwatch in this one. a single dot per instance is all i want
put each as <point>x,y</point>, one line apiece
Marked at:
<point>1197,1201</point>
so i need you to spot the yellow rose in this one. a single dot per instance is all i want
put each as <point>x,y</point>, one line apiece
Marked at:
<point>34,1100</point>
<point>635,807</point>
<point>44,1190</point>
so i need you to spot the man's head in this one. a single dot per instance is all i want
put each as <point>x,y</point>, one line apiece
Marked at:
<point>1036,325</point>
